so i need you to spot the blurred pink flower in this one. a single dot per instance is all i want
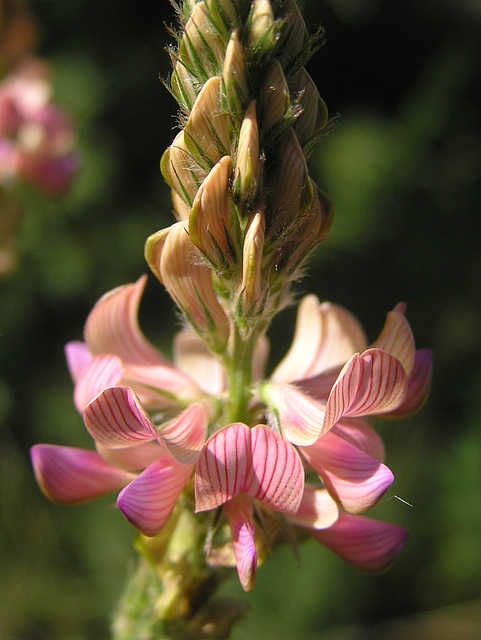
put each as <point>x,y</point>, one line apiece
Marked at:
<point>310,456</point>
<point>36,137</point>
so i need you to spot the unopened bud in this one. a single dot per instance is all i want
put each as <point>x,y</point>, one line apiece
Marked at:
<point>234,76</point>
<point>274,100</point>
<point>184,87</point>
<point>262,27</point>
<point>292,191</point>
<point>178,265</point>
<point>312,108</point>
<point>247,168</point>
<point>251,287</point>
<point>209,221</point>
<point>294,39</point>
<point>180,170</point>
<point>206,131</point>
<point>202,49</point>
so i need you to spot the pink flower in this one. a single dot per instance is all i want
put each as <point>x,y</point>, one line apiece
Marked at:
<point>310,457</point>
<point>36,137</point>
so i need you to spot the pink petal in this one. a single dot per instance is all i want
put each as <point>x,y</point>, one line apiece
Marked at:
<point>326,335</point>
<point>369,384</point>
<point>147,501</point>
<point>361,435</point>
<point>319,387</point>
<point>222,466</point>
<point>160,386</point>
<point>276,476</point>
<point>98,374</point>
<point>369,545</point>
<point>354,478</point>
<point>193,357</point>
<point>397,339</point>
<point>77,356</point>
<point>317,510</point>
<point>116,419</point>
<point>419,383</point>
<point>184,436</point>
<point>294,414</point>
<point>71,476</point>
<point>134,458</point>
<point>112,327</point>
<point>239,514</point>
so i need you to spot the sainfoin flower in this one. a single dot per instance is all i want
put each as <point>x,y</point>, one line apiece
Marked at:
<point>36,136</point>
<point>306,457</point>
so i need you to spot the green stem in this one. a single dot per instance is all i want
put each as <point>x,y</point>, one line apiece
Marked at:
<point>239,375</point>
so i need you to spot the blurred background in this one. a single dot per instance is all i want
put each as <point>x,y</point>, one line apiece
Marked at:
<point>403,167</point>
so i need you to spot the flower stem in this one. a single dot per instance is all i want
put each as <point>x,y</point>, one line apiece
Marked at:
<point>239,374</point>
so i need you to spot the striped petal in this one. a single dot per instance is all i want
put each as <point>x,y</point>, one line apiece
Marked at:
<point>397,338</point>
<point>371,383</point>
<point>297,416</point>
<point>222,466</point>
<point>134,458</point>
<point>368,545</point>
<point>317,510</point>
<point>239,514</point>
<point>184,436</point>
<point>276,476</point>
<point>147,501</point>
<point>99,373</point>
<point>419,383</point>
<point>355,479</point>
<point>112,327</point>
<point>116,419</point>
<point>71,476</point>
<point>358,433</point>
<point>326,335</point>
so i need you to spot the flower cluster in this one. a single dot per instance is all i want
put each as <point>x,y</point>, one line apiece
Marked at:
<point>308,453</point>
<point>257,458</point>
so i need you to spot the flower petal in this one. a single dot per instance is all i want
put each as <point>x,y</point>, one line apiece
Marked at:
<point>134,458</point>
<point>397,338</point>
<point>184,436</point>
<point>116,419</point>
<point>358,433</point>
<point>147,501</point>
<point>276,476</point>
<point>192,356</point>
<point>239,514</point>
<point>98,374</point>
<point>354,478</point>
<point>71,476</point>
<point>369,545</point>
<point>369,384</point>
<point>112,327</point>
<point>419,383</point>
<point>318,510</point>
<point>222,466</point>
<point>297,416</point>
<point>77,356</point>
<point>326,335</point>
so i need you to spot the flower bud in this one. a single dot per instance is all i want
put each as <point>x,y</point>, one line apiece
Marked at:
<point>251,291</point>
<point>274,100</point>
<point>177,264</point>
<point>262,27</point>
<point>294,39</point>
<point>292,191</point>
<point>184,87</point>
<point>202,48</point>
<point>312,109</point>
<point>206,131</point>
<point>180,171</point>
<point>234,76</point>
<point>209,221</point>
<point>247,169</point>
